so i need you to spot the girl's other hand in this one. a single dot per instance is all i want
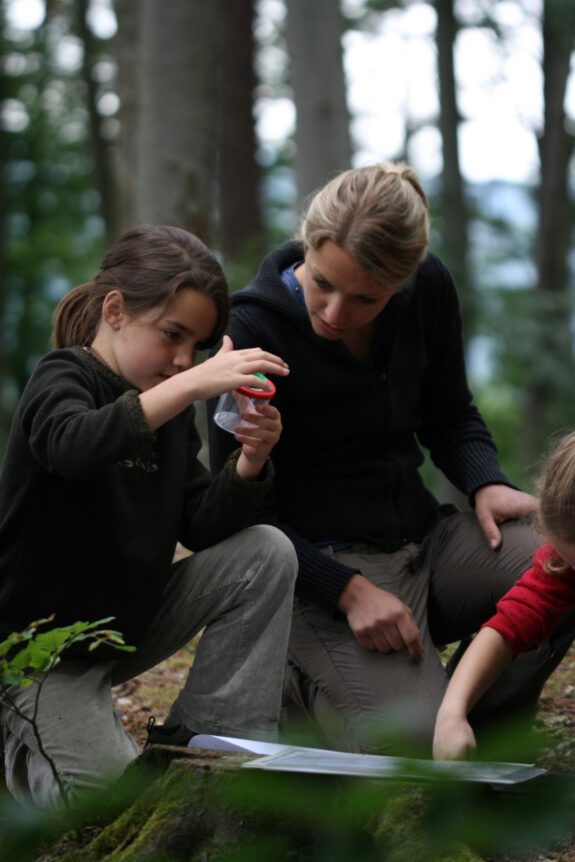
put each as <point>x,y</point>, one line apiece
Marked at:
<point>258,432</point>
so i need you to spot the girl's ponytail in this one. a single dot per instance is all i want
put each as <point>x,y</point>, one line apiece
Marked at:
<point>76,317</point>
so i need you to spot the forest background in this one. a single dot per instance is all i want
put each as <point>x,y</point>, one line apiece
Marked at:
<point>222,116</point>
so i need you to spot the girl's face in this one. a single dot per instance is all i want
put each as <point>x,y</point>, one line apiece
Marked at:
<point>566,550</point>
<point>151,347</point>
<point>340,295</point>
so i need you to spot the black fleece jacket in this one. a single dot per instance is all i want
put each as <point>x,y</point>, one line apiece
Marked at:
<point>92,502</point>
<point>347,463</point>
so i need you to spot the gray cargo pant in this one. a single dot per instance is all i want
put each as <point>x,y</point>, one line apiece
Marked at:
<point>241,591</point>
<point>358,700</point>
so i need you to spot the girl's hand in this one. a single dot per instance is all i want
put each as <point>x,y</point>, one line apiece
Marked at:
<point>229,369</point>
<point>258,432</point>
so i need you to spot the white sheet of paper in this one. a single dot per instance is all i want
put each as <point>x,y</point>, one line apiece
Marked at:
<point>231,743</point>
<point>298,759</point>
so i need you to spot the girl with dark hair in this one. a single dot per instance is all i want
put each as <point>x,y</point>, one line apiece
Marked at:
<point>101,479</point>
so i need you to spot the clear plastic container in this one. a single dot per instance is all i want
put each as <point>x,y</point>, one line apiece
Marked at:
<point>243,400</point>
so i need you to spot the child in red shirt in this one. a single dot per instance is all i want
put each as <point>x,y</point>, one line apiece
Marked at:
<point>525,615</point>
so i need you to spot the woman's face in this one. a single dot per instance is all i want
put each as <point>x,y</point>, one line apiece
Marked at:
<point>340,295</point>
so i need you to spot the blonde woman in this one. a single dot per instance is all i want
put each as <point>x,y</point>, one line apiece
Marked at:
<point>368,319</point>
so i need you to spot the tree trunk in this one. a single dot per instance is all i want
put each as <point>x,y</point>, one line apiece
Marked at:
<point>238,173</point>
<point>453,207</point>
<point>192,805</point>
<point>175,150</point>
<point>126,49</point>
<point>100,147</point>
<point>546,396</point>
<point>323,145</point>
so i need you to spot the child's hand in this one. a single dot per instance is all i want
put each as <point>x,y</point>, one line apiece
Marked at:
<point>258,432</point>
<point>229,369</point>
<point>453,738</point>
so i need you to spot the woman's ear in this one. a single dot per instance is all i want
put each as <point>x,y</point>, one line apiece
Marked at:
<point>113,309</point>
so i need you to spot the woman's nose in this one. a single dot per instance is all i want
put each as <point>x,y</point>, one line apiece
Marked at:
<point>335,312</point>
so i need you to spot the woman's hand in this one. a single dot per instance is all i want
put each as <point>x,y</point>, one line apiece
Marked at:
<point>258,432</point>
<point>495,504</point>
<point>379,620</point>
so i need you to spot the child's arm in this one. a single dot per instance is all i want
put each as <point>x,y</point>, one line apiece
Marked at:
<point>482,663</point>
<point>228,369</point>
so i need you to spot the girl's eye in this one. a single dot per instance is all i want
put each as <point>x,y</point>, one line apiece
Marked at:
<point>365,300</point>
<point>172,335</point>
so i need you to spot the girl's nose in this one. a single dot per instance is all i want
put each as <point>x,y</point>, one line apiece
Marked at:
<point>185,358</point>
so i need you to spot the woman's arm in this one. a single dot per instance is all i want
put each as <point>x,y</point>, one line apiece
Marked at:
<point>482,663</point>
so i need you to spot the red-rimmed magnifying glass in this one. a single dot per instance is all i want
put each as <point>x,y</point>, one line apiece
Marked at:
<point>239,401</point>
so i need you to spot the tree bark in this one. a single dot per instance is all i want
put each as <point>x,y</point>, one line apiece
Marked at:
<point>546,396</point>
<point>126,49</point>
<point>323,144</point>
<point>238,174</point>
<point>175,149</point>
<point>454,213</point>
<point>100,147</point>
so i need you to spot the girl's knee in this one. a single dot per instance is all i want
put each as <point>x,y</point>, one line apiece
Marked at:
<point>274,543</point>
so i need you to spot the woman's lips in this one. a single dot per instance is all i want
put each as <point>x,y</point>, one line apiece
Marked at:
<point>329,330</point>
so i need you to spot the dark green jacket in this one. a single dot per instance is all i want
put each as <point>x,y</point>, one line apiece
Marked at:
<point>92,503</point>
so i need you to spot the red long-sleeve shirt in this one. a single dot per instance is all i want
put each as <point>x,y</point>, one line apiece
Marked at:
<point>526,614</point>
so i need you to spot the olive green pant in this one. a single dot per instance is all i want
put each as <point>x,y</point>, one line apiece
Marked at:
<point>358,700</point>
<point>240,592</point>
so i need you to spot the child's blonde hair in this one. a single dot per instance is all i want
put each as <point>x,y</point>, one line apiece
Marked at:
<point>556,488</point>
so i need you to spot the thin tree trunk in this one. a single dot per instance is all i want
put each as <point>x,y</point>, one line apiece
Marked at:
<point>100,147</point>
<point>238,173</point>
<point>453,207</point>
<point>323,145</point>
<point>175,159</point>
<point>545,397</point>
<point>127,49</point>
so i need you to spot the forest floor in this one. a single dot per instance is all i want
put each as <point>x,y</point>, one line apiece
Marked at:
<point>152,693</point>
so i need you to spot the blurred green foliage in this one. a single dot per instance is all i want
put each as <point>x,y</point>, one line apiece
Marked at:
<point>52,232</point>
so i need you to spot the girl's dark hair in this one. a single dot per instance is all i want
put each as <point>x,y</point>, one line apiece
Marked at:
<point>148,265</point>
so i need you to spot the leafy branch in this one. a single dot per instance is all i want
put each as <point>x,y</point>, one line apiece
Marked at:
<point>27,657</point>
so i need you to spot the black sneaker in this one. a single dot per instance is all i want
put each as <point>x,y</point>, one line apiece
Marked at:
<point>159,734</point>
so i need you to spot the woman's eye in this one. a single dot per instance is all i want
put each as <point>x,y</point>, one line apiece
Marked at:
<point>322,284</point>
<point>365,300</point>
<point>171,334</point>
